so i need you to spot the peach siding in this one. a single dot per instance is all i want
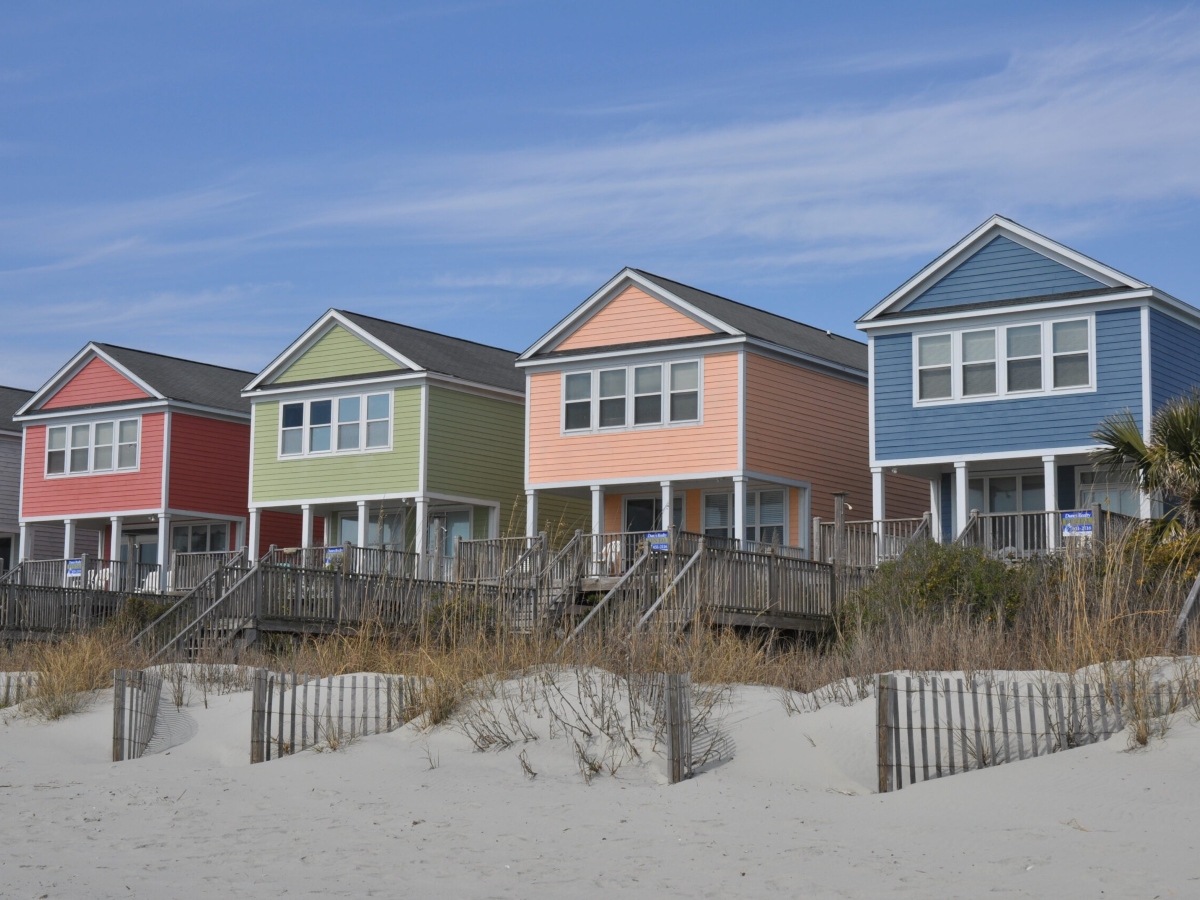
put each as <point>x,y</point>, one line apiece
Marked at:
<point>632,313</point>
<point>812,427</point>
<point>711,446</point>
<point>97,382</point>
<point>99,494</point>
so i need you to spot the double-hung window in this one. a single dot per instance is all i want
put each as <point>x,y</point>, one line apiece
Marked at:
<point>578,394</point>
<point>765,516</point>
<point>612,398</point>
<point>1024,358</point>
<point>934,366</point>
<point>685,392</point>
<point>1070,350</point>
<point>632,396</point>
<point>647,395</point>
<point>979,363</point>
<point>92,447</point>
<point>343,425</point>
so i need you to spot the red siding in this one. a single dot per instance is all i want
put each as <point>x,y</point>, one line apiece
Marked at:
<point>97,382</point>
<point>283,530</point>
<point>102,494</point>
<point>210,465</point>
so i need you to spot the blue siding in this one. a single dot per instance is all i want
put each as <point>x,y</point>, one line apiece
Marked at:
<point>1002,270</point>
<point>1174,358</point>
<point>905,432</point>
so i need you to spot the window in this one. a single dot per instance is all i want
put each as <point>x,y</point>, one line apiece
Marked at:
<point>933,367</point>
<point>1071,367</point>
<point>979,363</point>
<point>633,396</point>
<point>578,401</point>
<point>647,395</point>
<point>343,425</point>
<point>92,447</point>
<point>765,516</point>
<point>718,515</point>
<point>212,537</point>
<point>685,392</point>
<point>612,398</point>
<point>1024,358</point>
<point>1114,491</point>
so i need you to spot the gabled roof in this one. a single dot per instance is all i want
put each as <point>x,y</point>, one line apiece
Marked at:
<point>1001,263</point>
<point>162,377</point>
<point>414,349</point>
<point>11,400</point>
<point>724,316</point>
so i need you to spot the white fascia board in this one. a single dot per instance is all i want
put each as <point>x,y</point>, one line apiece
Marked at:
<point>297,502</point>
<point>314,333</point>
<point>72,367</point>
<point>623,279</point>
<point>105,514</point>
<point>1079,304</point>
<point>587,356</point>
<point>651,479</point>
<point>192,514</point>
<point>998,225</point>
<point>947,459</point>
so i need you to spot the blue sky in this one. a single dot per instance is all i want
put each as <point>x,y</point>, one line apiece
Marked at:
<point>206,178</point>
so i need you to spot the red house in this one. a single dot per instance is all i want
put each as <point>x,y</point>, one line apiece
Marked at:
<point>133,455</point>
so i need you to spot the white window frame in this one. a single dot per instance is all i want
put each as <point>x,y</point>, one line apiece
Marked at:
<point>665,393</point>
<point>1002,392</point>
<point>305,427</point>
<point>680,496</point>
<point>758,489</point>
<point>114,469</point>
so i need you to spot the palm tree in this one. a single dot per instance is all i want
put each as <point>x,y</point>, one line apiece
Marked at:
<point>1169,463</point>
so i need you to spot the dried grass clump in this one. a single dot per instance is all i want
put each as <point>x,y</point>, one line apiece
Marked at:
<point>69,671</point>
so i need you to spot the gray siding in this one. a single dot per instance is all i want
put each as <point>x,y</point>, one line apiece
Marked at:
<point>1002,270</point>
<point>905,432</point>
<point>1174,358</point>
<point>10,483</point>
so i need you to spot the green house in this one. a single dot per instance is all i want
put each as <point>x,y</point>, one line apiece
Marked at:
<point>383,435</point>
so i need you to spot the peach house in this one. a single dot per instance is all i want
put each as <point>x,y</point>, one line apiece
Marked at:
<point>668,406</point>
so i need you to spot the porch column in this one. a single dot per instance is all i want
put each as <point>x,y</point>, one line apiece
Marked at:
<point>68,538</point>
<point>1050,477</point>
<point>878,500</point>
<point>531,513</point>
<point>739,508</point>
<point>306,525</point>
<point>164,544</point>
<point>114,538</point>
<point>1145,505</point>
<point>252,537</point>
<point>421,530</point>
<point>25,551</point>
<point>961,491</point>
<point>363,512</point>
<point>668,506</point>
<point>597,509</point>
<point>935,508</point>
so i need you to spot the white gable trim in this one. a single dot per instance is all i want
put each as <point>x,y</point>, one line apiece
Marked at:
<point>73,367</point>
<point>976,240</point>
<point>625,278</point>
<point>314,333</point>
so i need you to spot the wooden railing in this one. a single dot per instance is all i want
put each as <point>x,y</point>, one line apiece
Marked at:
<point>89,572</point>
<point>163,633</point>
<point>29,609</point>
<point>868,542</point>
<point>189,569</point>
<point>1034,533</point>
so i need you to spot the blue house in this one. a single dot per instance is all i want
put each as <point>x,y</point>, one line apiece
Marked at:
<point>991,368</point>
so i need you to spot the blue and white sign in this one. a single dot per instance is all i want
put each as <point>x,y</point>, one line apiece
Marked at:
<point>333,556</point>
<point>659,540</point>
<point>74,568</point>
<point>1077,523</point>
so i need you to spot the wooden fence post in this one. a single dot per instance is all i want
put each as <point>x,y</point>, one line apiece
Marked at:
<point>118,715</point>
<point>258,724</point>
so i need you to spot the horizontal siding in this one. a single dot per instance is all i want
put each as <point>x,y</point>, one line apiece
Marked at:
<point>209,465</point>
<point>709,447</point>
<point>631,316</point>
<point>10,483</point>
<point>1002,270</point>
<point>336,354</point>
<point>903,431</point>
<point>476,447</point>
<point>284,530</point>
<point>101,494</point>
<point>279,480</point>
<point>97,382</point>
<point>1174,358</point>
<point>47,539</point>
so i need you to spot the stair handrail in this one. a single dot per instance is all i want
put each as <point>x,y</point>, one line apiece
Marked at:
<point>234,561</point>
<point>967,529</point>
<point>604,600</point>
<point>700,551</point>
<point>252,572</point>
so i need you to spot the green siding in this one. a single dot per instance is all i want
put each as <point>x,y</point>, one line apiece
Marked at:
<point>336,354</point>
<point>336,476</point>
<point>479,522</point>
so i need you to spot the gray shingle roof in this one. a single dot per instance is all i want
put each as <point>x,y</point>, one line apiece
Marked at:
<point>768,326</point>
<point>446,355</point>
<point>184,380</point>
<point>11,399</point>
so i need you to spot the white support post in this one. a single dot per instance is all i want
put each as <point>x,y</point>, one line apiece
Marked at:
<point>363,512</point>
<point>25,551</point>
<point>739,508</point>
<point>1145,505</point>
<point>597,509</point>
<point>1050,479</point>
<point>422,531</point>
<point>114,538</point>
<point>668,506</point>
<point>531,513</point>
<point>306,525</point>
<point>68,538</point>
<point>878,498</point>
<point>164,546</point>
<point>961,497</point>
<point>252,537</point>
<point>935,508</point>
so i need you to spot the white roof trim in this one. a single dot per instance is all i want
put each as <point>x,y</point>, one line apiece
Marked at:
<point>73,367</point>
<point>998,225</point>
<point>314,333</point>
<point>600,298</point>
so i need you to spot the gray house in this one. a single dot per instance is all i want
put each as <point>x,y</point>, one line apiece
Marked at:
<point>11,399</point>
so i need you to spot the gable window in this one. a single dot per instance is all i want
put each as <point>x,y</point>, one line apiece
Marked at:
<point>933,367</point>
<point>1025,358</point>
<point>685,392</point>
<point>1071,368</point>
<point>647,395</point>
<point>979,363</point>
<point>612,398</point>
<point>632,396</point>
<point>92,447</point>
<point>348,424</point>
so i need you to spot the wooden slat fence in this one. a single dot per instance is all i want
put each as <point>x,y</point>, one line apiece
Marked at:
<point>676,704</point>
<point>291,712</point>
<point>136,694</point>
<point>15,687</point>
<point>933,726</point>
<point>33,609</point>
